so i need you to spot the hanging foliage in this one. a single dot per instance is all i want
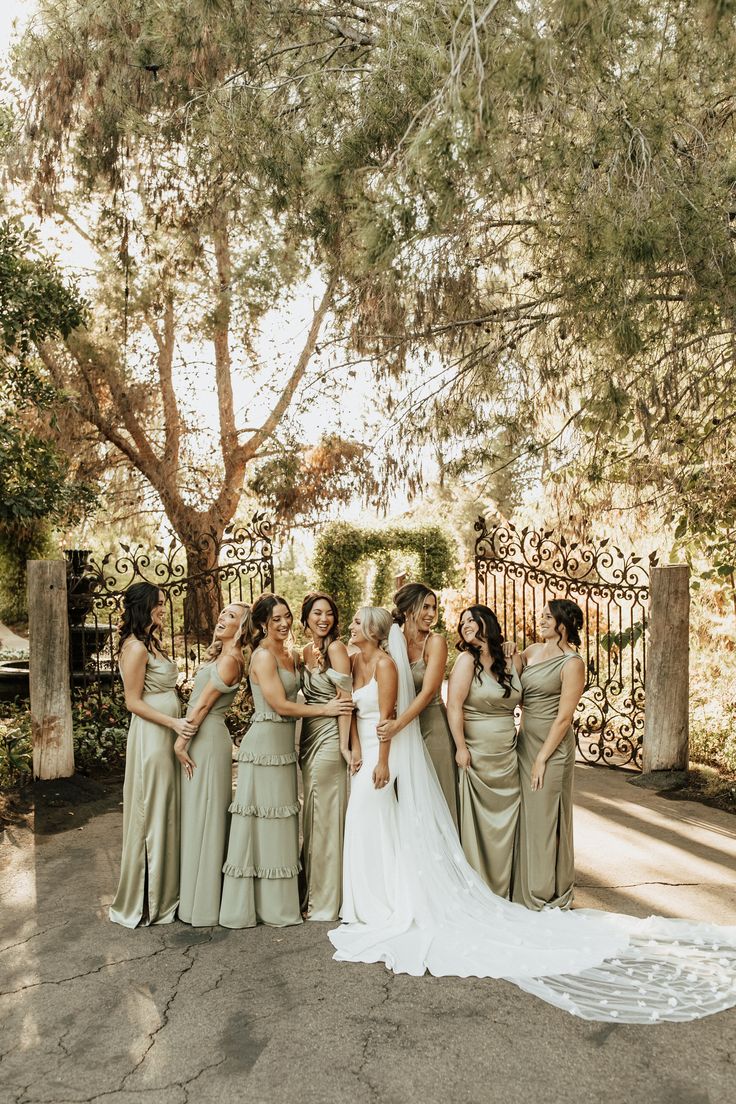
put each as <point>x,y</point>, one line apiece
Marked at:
<point>342,548</point>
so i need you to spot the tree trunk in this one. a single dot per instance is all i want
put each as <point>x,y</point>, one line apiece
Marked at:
<point>202,601</point>
<point>667,684</point>
<point>51,704</point>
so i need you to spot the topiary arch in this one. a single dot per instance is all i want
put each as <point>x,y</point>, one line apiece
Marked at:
<point>342,547</point>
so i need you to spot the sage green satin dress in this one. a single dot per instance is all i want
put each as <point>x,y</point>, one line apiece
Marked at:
<point>438,740</point>
<point>262,863</point>
<point>489,788</point>
<point>205,799</point>
<point>148,890</point>
<point>544,862</point>
<point>325,784</point>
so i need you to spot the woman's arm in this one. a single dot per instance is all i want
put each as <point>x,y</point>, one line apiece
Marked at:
<point>573,684</point>
<point>435,673</point>
<point>458,689</point>
<point>264,665</point>
<point>133,660</point>
<point>387,679</point>
<point>228,669</point>
<point>339,659</point>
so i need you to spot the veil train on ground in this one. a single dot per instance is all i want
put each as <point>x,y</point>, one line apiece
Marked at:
<point>446,921</point>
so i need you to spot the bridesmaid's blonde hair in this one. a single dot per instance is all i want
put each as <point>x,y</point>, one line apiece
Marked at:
<point>216,646</point>
<point>376,622</point>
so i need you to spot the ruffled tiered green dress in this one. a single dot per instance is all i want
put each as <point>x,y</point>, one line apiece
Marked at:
<point>148,890</point>
<point>544,862</point>
<point>438,739</point>
<point>262,864</point>
<point>205,798</point>
<point>489,788</point>
<point>325,783</point>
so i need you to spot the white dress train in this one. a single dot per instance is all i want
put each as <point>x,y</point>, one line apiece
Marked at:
<point>412,901</point>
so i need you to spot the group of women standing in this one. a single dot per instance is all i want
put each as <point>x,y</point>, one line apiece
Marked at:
<point>191,849</point>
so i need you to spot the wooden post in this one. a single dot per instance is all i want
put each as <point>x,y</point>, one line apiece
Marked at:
<point>51,703</point>
<point>668,675</point>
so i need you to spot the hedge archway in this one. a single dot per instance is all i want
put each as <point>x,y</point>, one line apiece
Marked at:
<point>342,548</point>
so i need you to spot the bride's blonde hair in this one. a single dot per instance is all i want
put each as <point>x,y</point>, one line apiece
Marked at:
<point>376,622</point>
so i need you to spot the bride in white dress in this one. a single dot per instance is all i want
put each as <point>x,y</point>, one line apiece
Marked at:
<point>411,900</point>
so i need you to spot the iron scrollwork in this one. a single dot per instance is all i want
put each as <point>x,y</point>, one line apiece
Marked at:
<point>518,570</point>
<point>236,568</point>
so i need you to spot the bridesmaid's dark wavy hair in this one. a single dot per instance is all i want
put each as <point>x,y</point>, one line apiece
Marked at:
<point>255,622</point>
<point>490,632</point>
<point>569,614</point>
<point>139,602</point>
<point>409,599</point>
<point>334,633</point>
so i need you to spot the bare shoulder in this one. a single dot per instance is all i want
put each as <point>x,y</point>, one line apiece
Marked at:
<point>263,660</point>
<point>385,664</point>
<point>436,645</point>
<point>573,670</point>
<point>134,650</point>
<point>338,651</point>
<point>228,669</point>
<point>531,650</point>
<point>464,662</point>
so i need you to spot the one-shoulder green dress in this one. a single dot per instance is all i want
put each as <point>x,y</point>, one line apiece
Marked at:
<point>148,890</point>
<point>489,788</point>
<point>205,799</point>
<point>544,861</point>
<point>325,784</point>
<point>262,863</point>
<point>438,739</point>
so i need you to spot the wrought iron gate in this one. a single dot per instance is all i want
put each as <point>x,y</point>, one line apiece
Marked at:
<point>518,570</point>
<point>96,587</point>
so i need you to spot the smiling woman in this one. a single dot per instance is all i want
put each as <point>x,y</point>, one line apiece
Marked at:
<point>262,861</point>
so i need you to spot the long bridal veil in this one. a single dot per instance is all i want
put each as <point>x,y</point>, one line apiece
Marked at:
<point>596,965</point>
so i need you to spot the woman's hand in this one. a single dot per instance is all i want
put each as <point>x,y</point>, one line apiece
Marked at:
<point>387,729</point>
<point>538,768</point>
<point>381,776</point>
<point>509,649</point>
<point>338,707</point>
<point>356,759</point>
<point>183,727</point>
<point>181,751</point>
<point>462,758</point>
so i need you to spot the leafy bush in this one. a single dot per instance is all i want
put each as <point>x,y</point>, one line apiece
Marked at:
<point>715,744</point>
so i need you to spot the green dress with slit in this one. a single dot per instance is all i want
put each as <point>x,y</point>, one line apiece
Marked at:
<point>438,739</point>
<point>325,784</point>
<point>148,890</point>
<point>489,787</point>
<point>261,884</point>
<point>544,861</point>
<point>205,799</point>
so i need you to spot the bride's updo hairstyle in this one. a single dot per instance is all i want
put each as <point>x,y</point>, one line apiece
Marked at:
<point>568,614</point>
<point>490,632</point>
<point>255,622</point>
<point>139,602</point>
<point>332,635</point>
<point>408,601</point>
<point>215,647</point>
<point>376,622</point>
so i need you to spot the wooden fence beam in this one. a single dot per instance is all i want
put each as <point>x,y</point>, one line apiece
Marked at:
<point>666,711</point>
<point>51,704</point>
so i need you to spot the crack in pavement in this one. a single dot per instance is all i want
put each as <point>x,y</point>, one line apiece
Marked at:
<point>360,1073</point>
<point>35,935</point>
<point>635,885</point>
<point>87,973</point>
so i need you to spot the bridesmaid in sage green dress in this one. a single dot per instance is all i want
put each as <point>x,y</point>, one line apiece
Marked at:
<point>262,862</point>
<point>415,609</point>
<point>324,758</point>
<point>148,890</point>
<point>553,680</point>
<point>483,693</point>
<point>207,788</point>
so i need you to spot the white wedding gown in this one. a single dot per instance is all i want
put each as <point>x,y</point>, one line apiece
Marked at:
<point>411,900</point>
